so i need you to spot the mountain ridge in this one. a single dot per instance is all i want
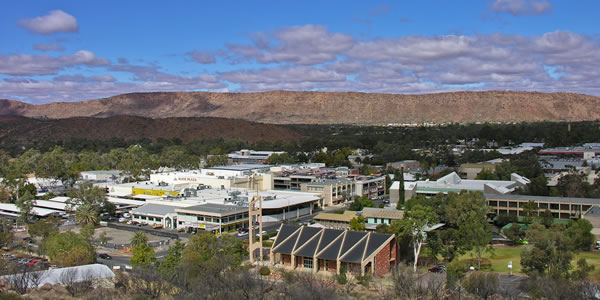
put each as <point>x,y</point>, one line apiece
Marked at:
<point>289,107</point>
<point>21,128</point>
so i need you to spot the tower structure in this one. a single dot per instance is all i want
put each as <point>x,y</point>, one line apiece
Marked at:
<point>255,220</point>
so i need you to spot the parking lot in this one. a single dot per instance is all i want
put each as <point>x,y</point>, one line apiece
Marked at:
<point>117,236</point>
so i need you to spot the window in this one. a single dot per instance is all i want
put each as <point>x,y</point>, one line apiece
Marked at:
<point>308,263</point>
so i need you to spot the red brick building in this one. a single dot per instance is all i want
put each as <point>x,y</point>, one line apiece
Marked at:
<point>330,250</point>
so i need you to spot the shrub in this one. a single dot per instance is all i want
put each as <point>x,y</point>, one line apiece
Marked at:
<point>264,271</point>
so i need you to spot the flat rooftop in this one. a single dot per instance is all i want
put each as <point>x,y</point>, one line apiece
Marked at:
<point>544,199</point>
<point>212,208</point>
<point>240,167</point>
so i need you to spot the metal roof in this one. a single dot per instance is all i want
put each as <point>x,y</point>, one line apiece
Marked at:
<point>211,208</point>
<point>76,274</point>
<point>330,244</point>
<point>544,198</point>
<point>154,209</point>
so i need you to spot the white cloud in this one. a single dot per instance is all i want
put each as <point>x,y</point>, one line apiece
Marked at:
<point>55,21</point>
<point>522,7</point>
<point>25,64</point>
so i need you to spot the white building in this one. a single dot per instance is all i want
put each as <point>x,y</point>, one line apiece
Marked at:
<point>453,183</point>
<point>101,175</point>
<point>251,156</point>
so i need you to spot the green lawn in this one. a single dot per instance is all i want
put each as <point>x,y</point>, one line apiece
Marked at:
<point>502,255</point>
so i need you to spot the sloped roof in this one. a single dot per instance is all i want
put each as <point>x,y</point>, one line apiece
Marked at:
<point>330,244</point>
<point>74,274</point>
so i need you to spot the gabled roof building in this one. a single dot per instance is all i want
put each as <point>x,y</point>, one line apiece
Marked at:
<point>331,250</point>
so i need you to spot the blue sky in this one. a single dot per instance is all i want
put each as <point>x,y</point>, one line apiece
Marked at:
<point>76,50</point>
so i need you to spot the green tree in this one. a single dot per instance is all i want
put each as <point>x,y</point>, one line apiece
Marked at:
<point>143,256</point>
<point>87,232</point>
<point>486,174</point>
<point>358,223</point>
<point>69,249</point>
<point>547,218</point>
<point>415,224</point>
<point>140,238</point>
<point>401,192</point>
<point>43,228</point>
<point>551,252</point>
<point>216,160</point>
<point>583,270</point>
<point>207,252</point>
<point>538,186</point>
<point>25,204</point>
<point>6,233</point>
<point>278,159</point>
<point>580,234</point>
<point>87,214</point>
<point>87,201</point>
<point>356,205</point>
<point>514,233</point>
<point>530,211</point>
<point>168,266</point>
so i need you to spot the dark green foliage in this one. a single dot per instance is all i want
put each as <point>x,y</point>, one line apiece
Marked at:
<point>264,271</point>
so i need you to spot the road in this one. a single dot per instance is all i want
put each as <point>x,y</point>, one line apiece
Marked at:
<point>123,260</point>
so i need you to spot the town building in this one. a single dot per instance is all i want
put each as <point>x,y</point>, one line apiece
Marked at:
<point>585,152</point>
<point>412,166</point>
<point>453,183</point>
<point>332,191</point>
<point>561,207</point>
<point>471,170</point>
<point>219,211</point>
<point>331,250</point>
<point>373,217</point>
<point>101,175</point>
<point>593,215</point>
<point>246,156</point>
<point>254,176</point>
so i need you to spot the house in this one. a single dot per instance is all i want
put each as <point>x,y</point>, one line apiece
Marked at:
<point>334,250</point>
<point>373,218</point>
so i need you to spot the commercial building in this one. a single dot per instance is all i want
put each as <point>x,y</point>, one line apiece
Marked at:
<point>220,211</point>
<point>585,152</point>
<point>225,177</point>
<point>453,183</point>
<point>371,186</point>
<point>245,156</point>
<point>330,250</point>
<point>101,175</point>
<point>561,207</point>
<point>373,217</point>
<point>332,191</point>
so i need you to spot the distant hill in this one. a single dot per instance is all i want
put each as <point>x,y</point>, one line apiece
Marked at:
<point>283,107</point>
<point>132,127</point>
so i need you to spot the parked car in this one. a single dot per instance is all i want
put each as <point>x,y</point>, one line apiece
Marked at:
<point>157,226</point>
<point>104,256</point>
<point>438,269</point>
<point>242,233</point>
<point>261,233</point>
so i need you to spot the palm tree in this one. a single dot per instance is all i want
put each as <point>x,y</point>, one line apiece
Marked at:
<point>139,239</point>
<point>86,214</point>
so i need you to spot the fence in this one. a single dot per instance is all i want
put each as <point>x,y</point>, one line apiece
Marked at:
<point>158,232</point>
